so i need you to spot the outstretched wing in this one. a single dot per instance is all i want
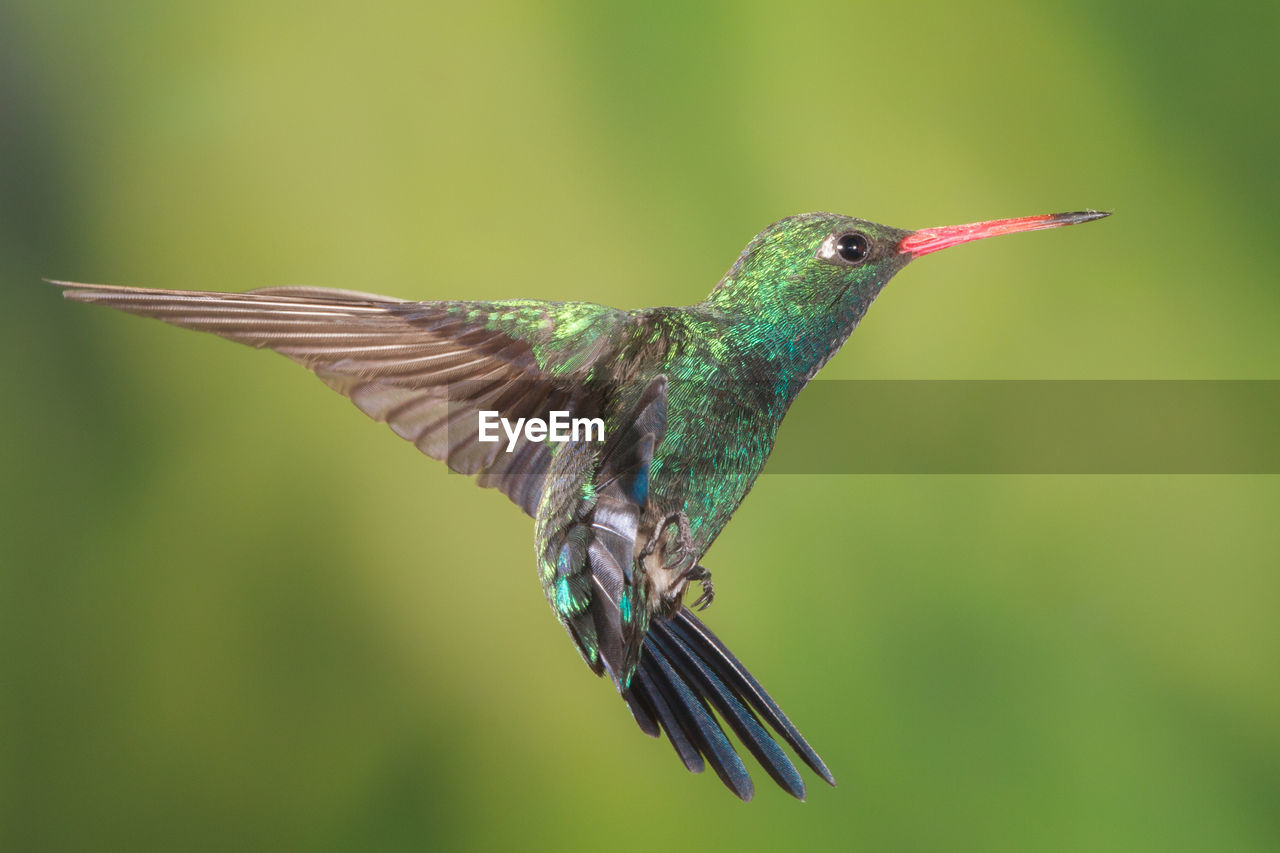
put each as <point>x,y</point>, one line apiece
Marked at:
<point>425,368</point>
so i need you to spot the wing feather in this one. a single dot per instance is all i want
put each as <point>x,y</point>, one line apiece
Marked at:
<point>426,369</point>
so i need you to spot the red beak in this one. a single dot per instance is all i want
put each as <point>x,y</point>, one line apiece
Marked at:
<point>928,240</point>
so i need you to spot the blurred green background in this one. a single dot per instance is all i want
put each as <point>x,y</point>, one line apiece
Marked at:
<point>235,614</point>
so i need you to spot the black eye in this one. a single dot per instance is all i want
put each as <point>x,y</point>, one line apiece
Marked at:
<point>853,247</point>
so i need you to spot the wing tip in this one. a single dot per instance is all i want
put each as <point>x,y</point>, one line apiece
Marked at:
<point>73,290</point>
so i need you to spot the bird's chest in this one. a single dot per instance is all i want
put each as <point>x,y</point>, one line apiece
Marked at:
<point>708,462</point>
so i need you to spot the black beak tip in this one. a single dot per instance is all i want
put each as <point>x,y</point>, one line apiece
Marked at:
<point>1079,216</point>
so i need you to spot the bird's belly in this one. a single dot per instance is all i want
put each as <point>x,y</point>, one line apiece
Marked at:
<point>709,480</point>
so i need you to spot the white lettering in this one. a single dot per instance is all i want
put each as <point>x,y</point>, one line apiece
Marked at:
<point>588,424</point>
<point>559,428</point>
<point>513,435</point>
<point>488,423</point>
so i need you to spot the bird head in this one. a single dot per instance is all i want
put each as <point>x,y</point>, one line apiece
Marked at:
<point>804,282</point>
<point>829,259</point>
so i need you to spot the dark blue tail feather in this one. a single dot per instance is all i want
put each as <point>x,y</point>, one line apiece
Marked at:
<point>685,672</point>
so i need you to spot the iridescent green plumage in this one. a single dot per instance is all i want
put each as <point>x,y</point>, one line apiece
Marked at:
<point>691,399</point>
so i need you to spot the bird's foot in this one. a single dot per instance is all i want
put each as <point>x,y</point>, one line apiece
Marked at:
<point>672,536</point>
<point>700,574</point>
<point>669,561</point>
<point>679,557</point>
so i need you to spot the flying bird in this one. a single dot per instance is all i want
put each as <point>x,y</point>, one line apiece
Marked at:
<point>690,400</point>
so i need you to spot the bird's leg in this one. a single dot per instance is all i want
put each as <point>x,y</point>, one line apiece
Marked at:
<point>678,545</point>
<point>671,535</point>
<point>698,572</point>
<point>669,561</point>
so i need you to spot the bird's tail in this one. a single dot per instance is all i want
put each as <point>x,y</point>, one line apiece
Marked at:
<point>685,673</point>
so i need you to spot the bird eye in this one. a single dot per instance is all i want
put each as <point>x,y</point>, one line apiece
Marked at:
<point>853,247</point>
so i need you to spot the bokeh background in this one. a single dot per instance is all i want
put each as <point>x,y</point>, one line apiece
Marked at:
<point>235,614</point>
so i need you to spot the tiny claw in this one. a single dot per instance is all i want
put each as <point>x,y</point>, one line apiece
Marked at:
<point>703,577</point>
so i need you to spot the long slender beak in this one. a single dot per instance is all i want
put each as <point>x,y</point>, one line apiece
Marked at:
<point>928,240</point>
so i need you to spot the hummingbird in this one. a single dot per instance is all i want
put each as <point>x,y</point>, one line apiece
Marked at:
<point>690,399</point>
